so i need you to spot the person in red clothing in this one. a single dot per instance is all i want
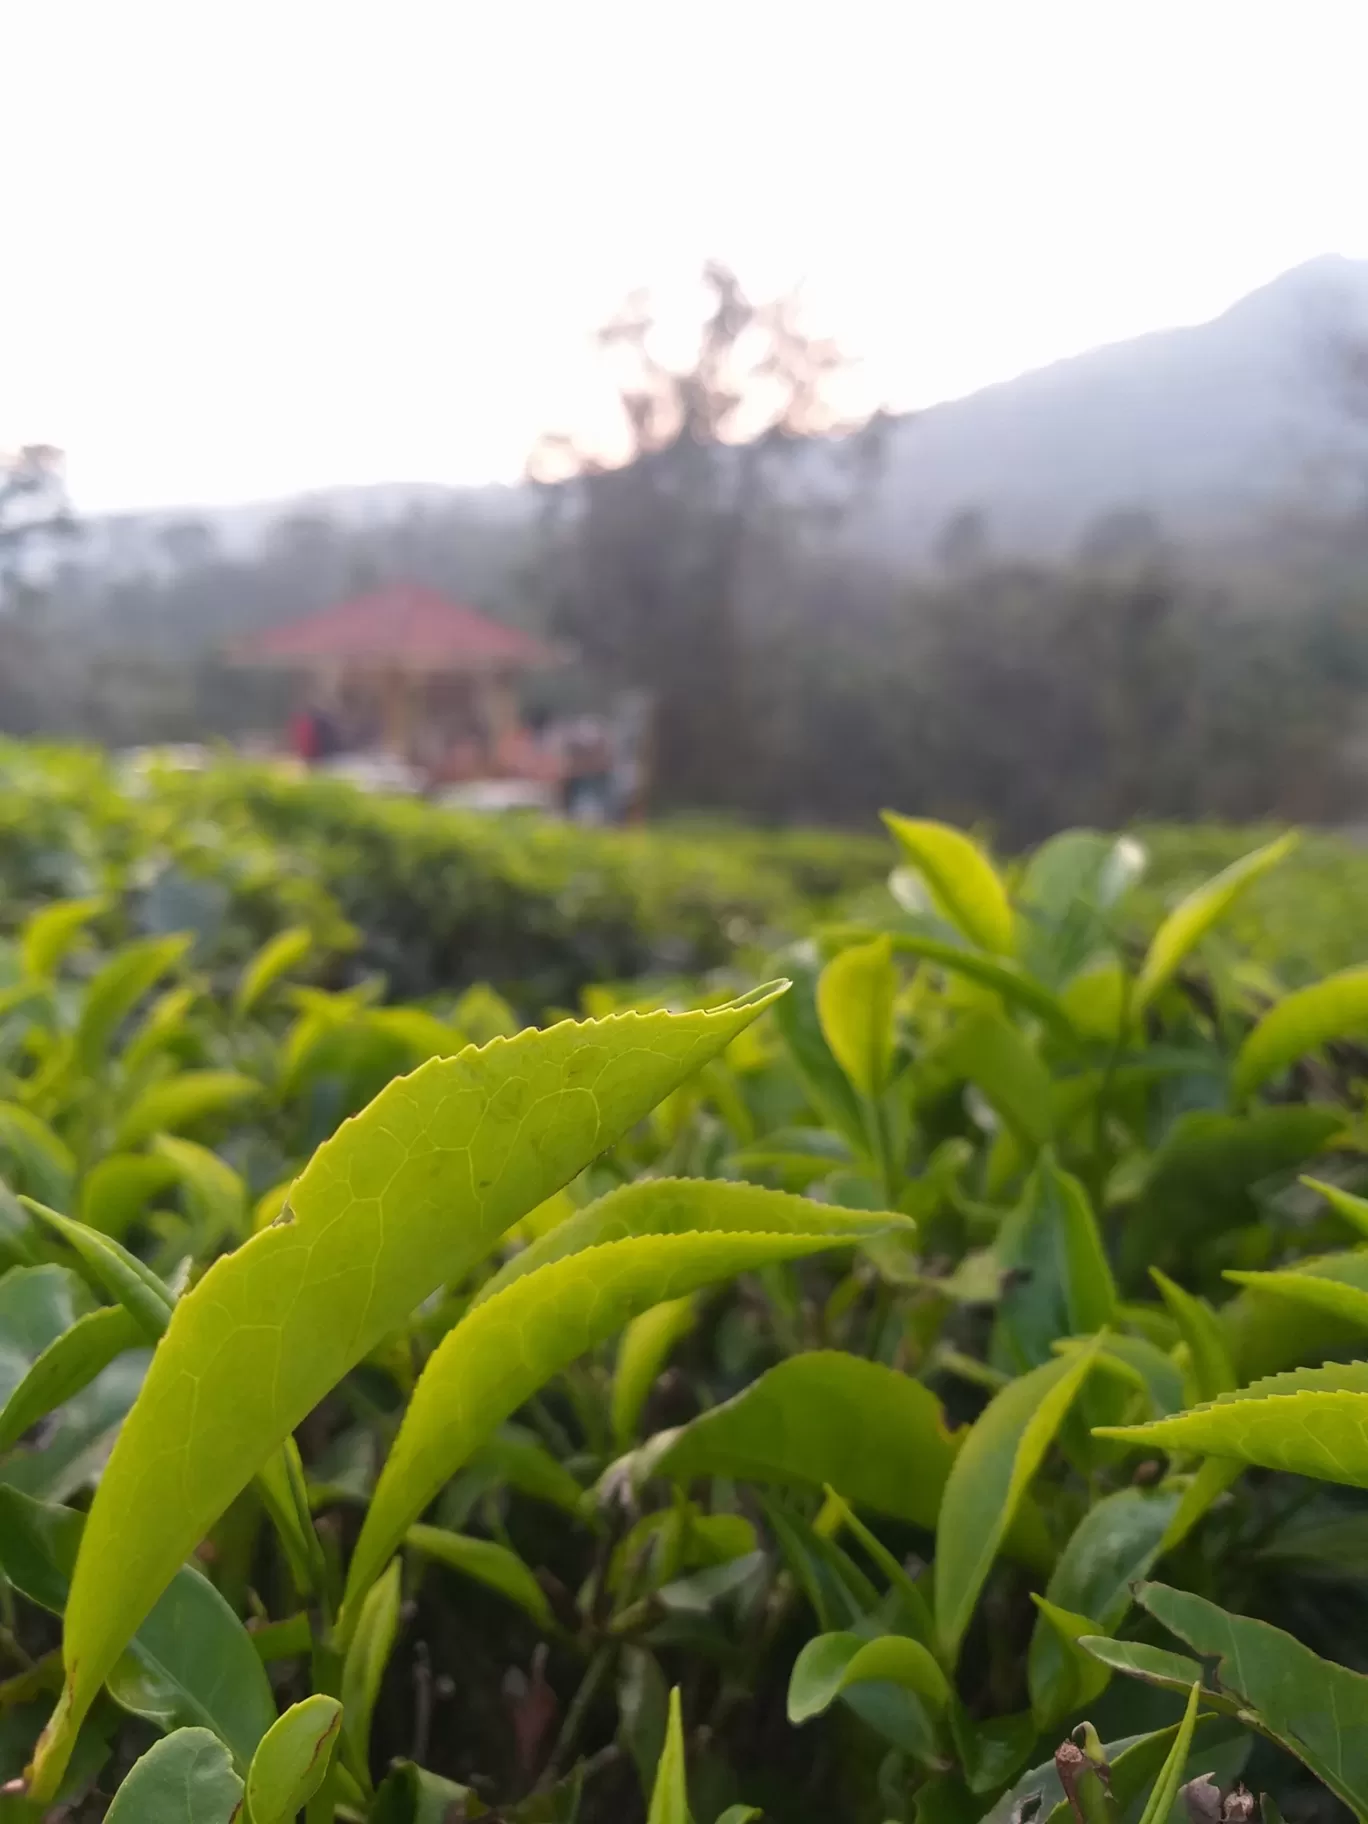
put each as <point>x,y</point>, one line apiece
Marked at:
<point>305,736</point>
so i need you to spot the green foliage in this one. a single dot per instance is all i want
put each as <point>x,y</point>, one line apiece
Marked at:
<point>399,1424</point>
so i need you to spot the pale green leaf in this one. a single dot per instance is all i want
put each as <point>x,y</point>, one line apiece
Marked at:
<point>670,1794</point>
<point>989,1478</point>
<point>682,1206</point>
<point>50,932</point>
<point>507,1346</point>
<point>488,1563</point>
<point>121,1274</point>
<point>1344,1203</point>
<point>830,1663</point>
<point>855,995</point>
<point>1160,1802</point>
<point>277,956</point>
<point>406,1197</point>
<point>1190,921</point>
<point>642,1353</point>
<point>46,1166</point>
<point>1213,1372</point>
<point>291,1760</point>
<point>181,1101</point>
<point>1300,1023</point>
<point>215,1193</point>
<point>368,1652</point>
<point>1063,1678</point>
<point>116,1190</point>
<point>877,1436</point>
<point>69,1363</point>
<point>186,1778</point>
<point>116,990</point>
<point>1000,974</point>
<point>1311,1421</point>
<point>962,881</point>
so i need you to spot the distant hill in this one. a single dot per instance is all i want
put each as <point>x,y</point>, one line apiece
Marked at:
<point>1203,426</point>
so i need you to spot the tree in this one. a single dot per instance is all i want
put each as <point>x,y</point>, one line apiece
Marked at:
<point>33,506</point>
<point>649,545</point>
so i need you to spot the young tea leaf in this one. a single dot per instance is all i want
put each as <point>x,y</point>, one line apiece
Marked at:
<point>670,1795</point>
<point>291,1760</point>
<point>877,1436</point>
<point>406,1197</point>
<point>1300,1023</point>
<point>1160,1802</point>
<point>989,1478</point>
<point>830,1663</point>
<point>962,881</point>
<point>507,1346</point>
<point>488,1563</point>
<point>642,1353</point>
<point>1189,922</point>
<point>855,995</point>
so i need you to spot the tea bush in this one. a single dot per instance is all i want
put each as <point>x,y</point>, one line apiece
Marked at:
<point>920,1388</point>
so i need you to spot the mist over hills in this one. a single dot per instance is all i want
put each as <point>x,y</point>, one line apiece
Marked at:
<point>1204,426</point>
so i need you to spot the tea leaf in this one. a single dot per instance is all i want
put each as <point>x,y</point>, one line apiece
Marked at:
<point>507,1346</point>
<point>186,1778</point>
<point>275,958</point>
<point>291,1760</point>
<point>181,1101</point>
<point>1190,921</point>
<point>670,1795</point>
<point>1160,1801</point>
<point>988,1479</point>
<point>116,990</point>
<point>1213,1372</point>
<point>642,1353</point>
<point>404,1198</point>
<point>372,1642</point>
<point>855,995</point>
<point>68,1364</point>
<point>961,879</point>
<point>1316,1709</point>
<point>1336,1008</point>
<point>49,933</point>
<point>878,1437</point>
<point>830,1663</point>
<point>488,1563</point>
<point>191,1661</point>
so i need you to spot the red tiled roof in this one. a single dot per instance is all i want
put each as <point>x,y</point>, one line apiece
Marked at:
<point>404,626</point>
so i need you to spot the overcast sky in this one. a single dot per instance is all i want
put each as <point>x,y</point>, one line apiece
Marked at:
<point>256,246</point>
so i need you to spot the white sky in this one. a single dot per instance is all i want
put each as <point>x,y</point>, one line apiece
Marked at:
<point>254,246</point>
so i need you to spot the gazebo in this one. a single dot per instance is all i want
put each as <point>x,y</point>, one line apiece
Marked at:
<point>422,679</point>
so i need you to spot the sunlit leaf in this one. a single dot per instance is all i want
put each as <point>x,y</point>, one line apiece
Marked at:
<point>1300,1023</point>
<point>1195,916</point>
<point>403,1199</point>
<point>855,995</point>
<point>962,881</point>
<point>291,1760</point>
<point>508,1345</point>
